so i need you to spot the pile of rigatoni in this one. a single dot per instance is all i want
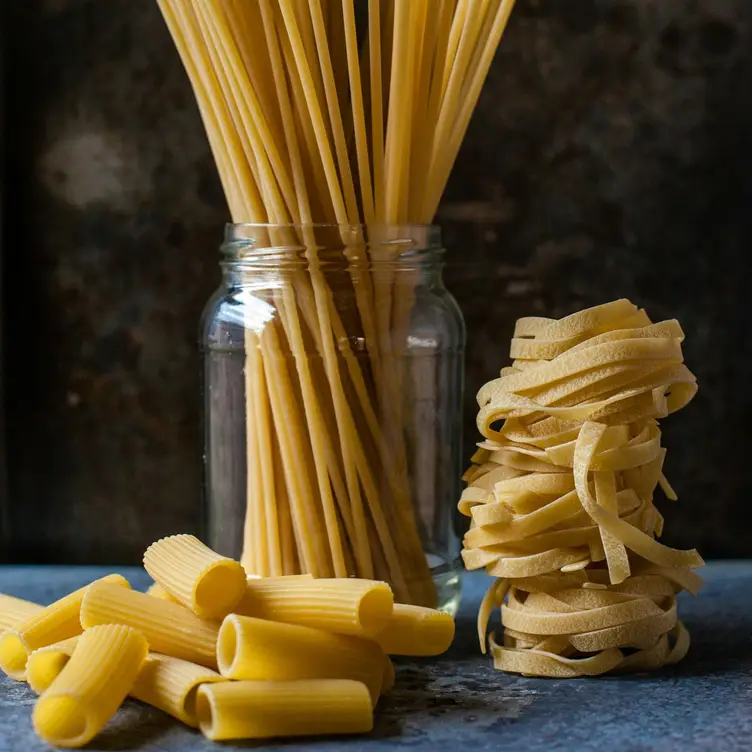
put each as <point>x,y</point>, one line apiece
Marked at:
<point>237,657</point>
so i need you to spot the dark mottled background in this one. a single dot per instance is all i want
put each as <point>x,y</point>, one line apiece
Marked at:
<point>610,157</point>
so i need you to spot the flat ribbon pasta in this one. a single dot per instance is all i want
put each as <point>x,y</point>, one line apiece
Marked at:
<point>560,496</point>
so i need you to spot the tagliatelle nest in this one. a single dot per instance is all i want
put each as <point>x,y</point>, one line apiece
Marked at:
<point>561,496</point>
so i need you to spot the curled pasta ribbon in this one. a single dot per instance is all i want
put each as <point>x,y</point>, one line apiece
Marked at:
<point>584,631</point>
<point>560,495</point>
<point>539,509</point>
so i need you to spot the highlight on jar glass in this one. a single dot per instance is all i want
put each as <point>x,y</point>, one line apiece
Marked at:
<point>333,376</point>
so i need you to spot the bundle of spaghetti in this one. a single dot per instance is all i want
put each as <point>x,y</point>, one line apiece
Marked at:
<point>561,495</point>
<point>313,120</point>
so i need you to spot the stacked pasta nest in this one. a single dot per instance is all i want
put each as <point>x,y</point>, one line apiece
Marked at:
<point>561,492</point>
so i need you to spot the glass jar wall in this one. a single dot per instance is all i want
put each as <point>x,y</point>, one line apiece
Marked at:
<point>333,370</point>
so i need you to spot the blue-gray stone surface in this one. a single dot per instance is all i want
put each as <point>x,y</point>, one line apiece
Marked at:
<point>459,701</point>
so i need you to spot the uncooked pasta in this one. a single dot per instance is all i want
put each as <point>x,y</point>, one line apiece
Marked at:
<point>349,114</point>
<point>560,496</point>
<point>284,679</point>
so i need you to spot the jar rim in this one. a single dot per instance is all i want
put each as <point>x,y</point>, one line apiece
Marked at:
<point>332,225</point>
<point>254,241</point>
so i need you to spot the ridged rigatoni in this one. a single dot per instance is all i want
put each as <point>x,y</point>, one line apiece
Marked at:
<point>55,623</point>
<point>91,687</point>
<point>268,709</point>
<point>209,584</point>
<point>256,649</point>
<point>417,631</point>
<point>44,665</point>
<point>169,627</point>
<point>164,682</point>
<point>346,606</point>
<point>171,685</point>
<point>15,610</point>
<point>157,591</point>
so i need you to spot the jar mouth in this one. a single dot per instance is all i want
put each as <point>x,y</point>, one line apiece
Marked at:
<point>231,227</point>
<point>265,242</point>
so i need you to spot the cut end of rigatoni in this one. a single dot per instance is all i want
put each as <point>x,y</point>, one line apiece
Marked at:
<point>417,631</point>
<point>51,624</point>
<point>205,712</point>
<point>227,646</point>
<point>54,623</point>
<point>189,707</point>
<point>44,668</point>
<point>13,655</point>
<point>250,649</point>
<point>45,664</point>
<point>375,609</point>
<point>197,577</point>
<point>62,721</point>
<point>219,589</point>
<point>91,687</point>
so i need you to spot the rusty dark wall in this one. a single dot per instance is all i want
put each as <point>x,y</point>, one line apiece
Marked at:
<point>610,156</point>
<point>116,211</point>
<point>616,157</point>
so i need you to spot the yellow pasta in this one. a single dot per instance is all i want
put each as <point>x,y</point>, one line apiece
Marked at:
<point>91,687</point>
<point>268,709</point>
<point>169,627</point>
<point>346,606</point>
<point>561,495</point>
<point>257,649</point>
<point>209,584</point>
<point>568,632</point>
<point>171,685</point>
<point>418,631</point>
<point>157,591</point>
<point>14,610</point>
<point>54,623</point>
<point>45,664</point>
<point>167,683</point>
<point>280,85</point>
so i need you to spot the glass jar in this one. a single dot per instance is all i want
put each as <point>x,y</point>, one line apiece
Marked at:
<point>333,378</point>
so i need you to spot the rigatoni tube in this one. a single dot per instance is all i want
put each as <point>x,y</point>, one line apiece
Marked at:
<point>157,591</point>
<point>169,627</point>
<point>15,610</point>
<point>54,623</point>
<point>346,606</point>
<point>268,709</point>
<point>164,682</point>
<point>171,685</point>
<point>418,631</point>
<point>91,687</point>
<point>44,665</point>
<point>209,584</point>
<point>257,649</point>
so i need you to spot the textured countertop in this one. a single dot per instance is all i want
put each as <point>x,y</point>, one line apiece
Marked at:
<point>459,702</point>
